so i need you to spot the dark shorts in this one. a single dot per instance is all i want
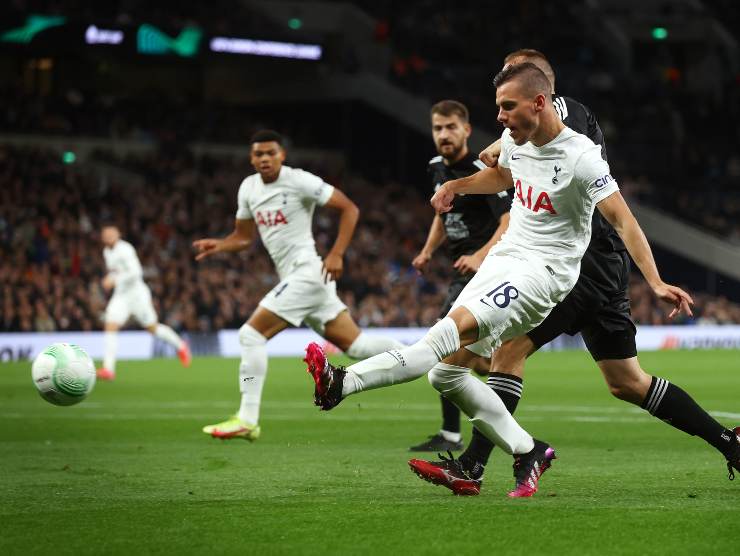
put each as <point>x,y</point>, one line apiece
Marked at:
<point>453,292</point>
<point>601,314</point>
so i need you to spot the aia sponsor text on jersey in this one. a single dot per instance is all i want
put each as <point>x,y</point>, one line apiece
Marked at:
<point>269,218</point>
<point>541,199</point>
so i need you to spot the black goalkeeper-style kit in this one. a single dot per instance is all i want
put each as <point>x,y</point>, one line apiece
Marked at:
<point>598,306</point>
<point>472,220</point>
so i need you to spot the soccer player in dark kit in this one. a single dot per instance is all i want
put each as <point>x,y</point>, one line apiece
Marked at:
<point>470,229</point>
<point>598,307</point>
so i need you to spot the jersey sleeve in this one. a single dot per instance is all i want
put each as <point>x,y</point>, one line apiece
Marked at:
<point>243,212</point>
<point>592,173</point>
<point>313,188</point>
<point>507,144</point>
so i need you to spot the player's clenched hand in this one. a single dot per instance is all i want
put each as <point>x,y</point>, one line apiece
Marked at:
<point>333,267</point>
<point>420,261</point>
<point>489,155</point>
<point>467,264</point>
<point>206,247</point>
<point>680,300</point>
<point>442,198</point>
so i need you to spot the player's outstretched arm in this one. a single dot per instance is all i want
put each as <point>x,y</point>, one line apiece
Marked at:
<point>435,238</point>
<point>490,180</point>
<point>616,211</point>
<point>489,155</point>
<point>238,240</point>
<point>348,216</point>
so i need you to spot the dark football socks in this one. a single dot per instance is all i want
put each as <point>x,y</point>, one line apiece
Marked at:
<point>670,403</point>
<point>450,415</point>
<point>509,389</point>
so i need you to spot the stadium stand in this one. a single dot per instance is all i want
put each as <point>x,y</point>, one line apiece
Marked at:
<point>52,261</point>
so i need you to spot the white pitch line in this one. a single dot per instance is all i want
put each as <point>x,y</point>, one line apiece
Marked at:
<point>725,414</point>
<point>267,418</point>
<point>89,405</point>
<point>286,411</point>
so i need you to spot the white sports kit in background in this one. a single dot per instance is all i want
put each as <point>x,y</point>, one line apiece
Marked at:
<point>131,296</point>
<point>282,212</point>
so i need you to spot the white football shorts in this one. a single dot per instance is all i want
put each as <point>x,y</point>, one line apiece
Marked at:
<point>511,294</point>
<point>136,302</point>
<point>302,296</point>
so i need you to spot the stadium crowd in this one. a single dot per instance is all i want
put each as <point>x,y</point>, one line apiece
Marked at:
<point>716,209</point>
<point>439,51</point>
<point>51,257</point>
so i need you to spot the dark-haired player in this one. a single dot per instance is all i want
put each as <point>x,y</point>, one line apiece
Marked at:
<point>278,202</point>
<point>473,225</point>
<point>599,308</point>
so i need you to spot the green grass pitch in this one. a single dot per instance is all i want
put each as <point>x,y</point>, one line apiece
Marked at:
<point>128,471</point>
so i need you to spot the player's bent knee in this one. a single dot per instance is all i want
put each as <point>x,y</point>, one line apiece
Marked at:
<point>512,354</point>
<point>481,366</point>
<point>627,390</point>
<point>443,338</point>
<point>446,378</point>
<point>248,336</point>
<point>617,390</point>
<point>625,379</point>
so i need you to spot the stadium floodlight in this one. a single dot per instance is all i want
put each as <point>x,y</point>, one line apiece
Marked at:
<point>660,33</point>
<point>273,49</point>
<point>95,35</point>
<point>34,25</point>
<point>68,157</point>
<point>295,23</point>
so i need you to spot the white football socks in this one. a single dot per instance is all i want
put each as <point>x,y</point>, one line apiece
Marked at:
<point>405,364</point>
<point>165,333</point>
<point>450,436</point>
<point>486,410</point>
<point>366,346</point>
<point>252,373</point>
<point>110,346</point>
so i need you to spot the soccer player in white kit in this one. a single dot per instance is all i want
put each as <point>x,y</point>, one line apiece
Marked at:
<point>278,202</point>
<point>131,297</point>
<point>559,179</point>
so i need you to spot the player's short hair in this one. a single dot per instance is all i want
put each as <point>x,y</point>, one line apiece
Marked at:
<point>533,79</point>
<point>537,58</point>
<point>266,136</point>
<point>451,108</point>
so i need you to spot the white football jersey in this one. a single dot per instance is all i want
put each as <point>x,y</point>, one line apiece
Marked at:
<point>123,264</point>
<point>282,211</point>
<point>556,189</point>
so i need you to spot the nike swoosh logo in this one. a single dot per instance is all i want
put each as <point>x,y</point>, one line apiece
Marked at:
<point>482,300</point>
<point>515,157</point>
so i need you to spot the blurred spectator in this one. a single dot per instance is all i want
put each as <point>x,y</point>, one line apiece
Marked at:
<point>51,259</point>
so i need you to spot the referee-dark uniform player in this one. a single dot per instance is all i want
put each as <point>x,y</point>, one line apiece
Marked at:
<point>473,225</point>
